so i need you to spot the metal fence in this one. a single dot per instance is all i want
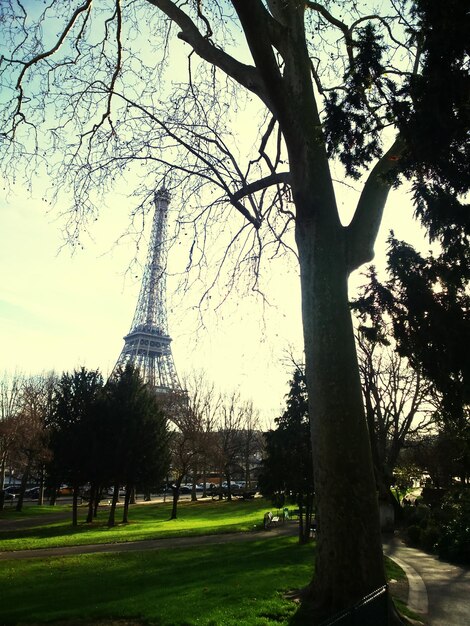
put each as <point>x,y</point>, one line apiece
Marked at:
<point>372,610</point>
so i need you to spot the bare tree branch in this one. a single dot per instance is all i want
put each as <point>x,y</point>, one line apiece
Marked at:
<point>246,75</point>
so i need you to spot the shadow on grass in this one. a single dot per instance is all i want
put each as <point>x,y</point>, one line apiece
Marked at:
<point>223,584</point>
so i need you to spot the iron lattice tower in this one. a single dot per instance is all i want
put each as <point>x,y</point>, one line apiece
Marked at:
<point>147,345</point>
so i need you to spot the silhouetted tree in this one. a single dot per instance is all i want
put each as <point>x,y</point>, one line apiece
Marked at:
<point>287,467</point>
<point>137,442</point>
<point>71,429</point>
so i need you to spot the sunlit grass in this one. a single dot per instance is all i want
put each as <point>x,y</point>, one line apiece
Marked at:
<point>218,585</point>
<point>147,521</point>
<point>31,510</point>
<point>214,585</point>
<point>238,583</point>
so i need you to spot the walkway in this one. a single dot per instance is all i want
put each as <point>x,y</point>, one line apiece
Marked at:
<point>438,590</point>
<point>150,544</point>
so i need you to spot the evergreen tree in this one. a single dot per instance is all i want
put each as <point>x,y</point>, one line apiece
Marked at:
<point>138,438</point>
<point>72,431</point>
<point>287,474</point>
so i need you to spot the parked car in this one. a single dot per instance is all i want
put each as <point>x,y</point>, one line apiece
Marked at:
<point>32,493</point>
<point>13,490</point>
<point>122,491</point>
<point>65,490</point>
<point>208,486</point>
<point>233,485</point>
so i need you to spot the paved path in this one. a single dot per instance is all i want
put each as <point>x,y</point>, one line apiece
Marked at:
<point>444,598</point>
<point>150,544</point>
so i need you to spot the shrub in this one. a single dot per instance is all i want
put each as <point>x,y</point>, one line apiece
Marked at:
<point>429,537</point>
<point>414,534</point>
<point>444,529</point>
<point>454,540</point>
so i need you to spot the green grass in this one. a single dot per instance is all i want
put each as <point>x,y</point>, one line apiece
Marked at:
<point>32,510</point>
<point>220,585</point>
<point>147,521</point>
<point>214,585</point>
<point>237,583</point>
<point>394,570</point>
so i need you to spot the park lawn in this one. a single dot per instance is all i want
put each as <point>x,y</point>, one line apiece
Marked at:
<point>218,585</point>
<point>32,510</point>
<point>233,583</point>
<point>146,521</point>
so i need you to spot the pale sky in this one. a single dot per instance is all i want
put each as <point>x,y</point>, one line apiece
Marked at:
<point>60,310</point>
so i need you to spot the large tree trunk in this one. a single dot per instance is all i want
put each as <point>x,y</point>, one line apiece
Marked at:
<point>75,495</point>
<point>24,482</point>
<point>112,510</point>
<point>176,494</point>
<point>127,500</point>
<point>91,502</point>
<point>2,481</point>
<point>349,561</point>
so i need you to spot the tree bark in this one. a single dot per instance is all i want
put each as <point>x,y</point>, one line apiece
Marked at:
<point>112,512</point>
<point>24,482</point>
<point>176,494</point>
<point>41,487</point>
<point>91,503</point>
<point>2,482</point>
<point>96,500</point>
<point>350,534</point>
<point>127,499</point>
<point>75,494</point>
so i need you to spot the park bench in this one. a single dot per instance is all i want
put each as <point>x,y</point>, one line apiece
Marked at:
<point>270,520</point>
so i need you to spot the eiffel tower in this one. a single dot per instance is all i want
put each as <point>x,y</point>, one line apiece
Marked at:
<point>147,345</point>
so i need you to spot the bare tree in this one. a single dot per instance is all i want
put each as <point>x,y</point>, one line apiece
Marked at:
<point>204,403</point>
<point>229,438</point>
<point>183,453</point>
<point>29,406</point>
<point>85,96</point>
<point>10,398</point>
<point>31,438</point>
<point>398,408</point>
<point>252,442</point>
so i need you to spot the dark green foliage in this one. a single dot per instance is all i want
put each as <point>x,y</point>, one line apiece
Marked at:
<point>443,528</point>
<point>137,441</point>
<point>106,436</point>
<point>72,425</point>
<point>454,539</point>
<point>351,129</point>
<point>287,473</point>
<point>433,116</point>
<point>432,108</point>
<point>428,303</point>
